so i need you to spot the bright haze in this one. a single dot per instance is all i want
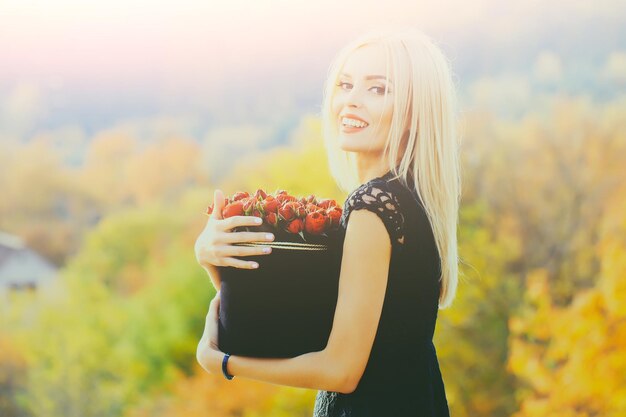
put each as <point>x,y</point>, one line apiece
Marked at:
<point>198,65</point>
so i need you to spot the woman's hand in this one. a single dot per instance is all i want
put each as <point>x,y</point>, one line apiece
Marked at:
<point>208,353</point>
<point>215,246</point>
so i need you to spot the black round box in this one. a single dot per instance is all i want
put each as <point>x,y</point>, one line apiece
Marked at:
<point>285,307</point>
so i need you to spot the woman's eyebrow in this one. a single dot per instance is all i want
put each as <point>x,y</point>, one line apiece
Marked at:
<point>370,77</point>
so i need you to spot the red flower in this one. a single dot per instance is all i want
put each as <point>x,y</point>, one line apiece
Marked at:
<point>287,211</point>
<point>260,194</point>
<point>239,195</point>
<point>260,207</point>
<point>283,198</point>
<point>295,226</point>
<point>284,211</point>
<point>233,209</point>
<point>270,204</point>
<point>327,203</point>
<point>300,210</point>
<point>271,218</point>
<point>334,214</point>
<point>248,205</point>
<point>315,223</point>
<point>312,208</point>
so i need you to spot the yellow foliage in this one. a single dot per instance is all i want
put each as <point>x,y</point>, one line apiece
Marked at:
<point>574,357</point>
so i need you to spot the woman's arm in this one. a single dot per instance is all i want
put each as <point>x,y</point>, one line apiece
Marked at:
<point>312,370</point>
<point>362,286</point>
<point>214,274</point>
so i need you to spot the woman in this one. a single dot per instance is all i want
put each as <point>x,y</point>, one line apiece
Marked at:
<point>389,117</point>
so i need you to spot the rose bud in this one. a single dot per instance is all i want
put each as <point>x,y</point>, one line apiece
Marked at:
<point>295,226</point>
<point>248,205</point>
<point>284,198</point>
<point>315,223</point>
<point>311,199</point>
<point>259,206</point>
<point>260,194</point>
<point>233,209</point>
<point>300,210</point>
<point>239,195</point>
<point>257,213</point>
<point>312,208</point>
<point>327,203</point>
<point>295,207</point>
<point>334,214</point>
<point>271,218</point>
<point>287,212</point>
<point>281,192</point>
<point>270,204</point>
<point>209,210</point>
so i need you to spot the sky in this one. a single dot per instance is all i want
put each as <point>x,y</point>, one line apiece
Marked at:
<point>123,40</point>
<point>114,41</point>
<point>95,62</point>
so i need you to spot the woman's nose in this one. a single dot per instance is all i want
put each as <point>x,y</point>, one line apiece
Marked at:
<point>354,98</point>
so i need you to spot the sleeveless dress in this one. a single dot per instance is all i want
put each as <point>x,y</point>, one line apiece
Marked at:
<point>402,376</point>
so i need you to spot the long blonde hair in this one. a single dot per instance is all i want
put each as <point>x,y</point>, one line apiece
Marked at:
<point>423,135</point>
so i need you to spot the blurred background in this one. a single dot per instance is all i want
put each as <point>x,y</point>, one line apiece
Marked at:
<point>119,119</point>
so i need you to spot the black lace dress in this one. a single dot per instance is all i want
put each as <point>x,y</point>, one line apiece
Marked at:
<point>402,376</point>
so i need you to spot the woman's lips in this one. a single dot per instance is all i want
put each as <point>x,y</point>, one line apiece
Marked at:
<point>351,129</point>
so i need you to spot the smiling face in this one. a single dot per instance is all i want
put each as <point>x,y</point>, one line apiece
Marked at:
<point>360,95</point>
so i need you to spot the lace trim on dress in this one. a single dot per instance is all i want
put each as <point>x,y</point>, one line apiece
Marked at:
<point>373,197</point>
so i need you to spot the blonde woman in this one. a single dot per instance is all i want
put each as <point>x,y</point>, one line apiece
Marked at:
<point>389,117</point>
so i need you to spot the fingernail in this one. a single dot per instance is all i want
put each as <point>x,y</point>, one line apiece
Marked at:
<point>258,220</point>
<point>267,250</point>
<point>269,236</point>
<point>255,265</point>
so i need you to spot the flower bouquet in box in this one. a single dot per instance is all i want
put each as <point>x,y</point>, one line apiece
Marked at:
<point>285,307</point>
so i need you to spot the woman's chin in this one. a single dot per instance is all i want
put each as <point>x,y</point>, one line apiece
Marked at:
<point>346,147</point>
<point>350,146</point>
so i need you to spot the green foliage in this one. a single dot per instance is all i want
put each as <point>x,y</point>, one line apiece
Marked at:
<point>97,347</point>
<point>117,336</point>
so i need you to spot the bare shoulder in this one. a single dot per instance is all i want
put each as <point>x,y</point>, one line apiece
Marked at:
<point>366,233</point>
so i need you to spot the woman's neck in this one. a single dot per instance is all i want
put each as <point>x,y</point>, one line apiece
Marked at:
<point>370,168</point>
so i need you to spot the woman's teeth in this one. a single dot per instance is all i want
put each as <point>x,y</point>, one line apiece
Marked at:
<point>353,123</point>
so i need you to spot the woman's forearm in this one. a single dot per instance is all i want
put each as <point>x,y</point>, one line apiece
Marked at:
<point>214,274</point>
<point>313,370</point>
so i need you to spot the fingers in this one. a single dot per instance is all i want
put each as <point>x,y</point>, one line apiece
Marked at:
<point>238,263</point>
<point>226,251</point>
<point>237,221</point>
<point>237,237</point>
<point>218,204</point>
<point>224,256</point>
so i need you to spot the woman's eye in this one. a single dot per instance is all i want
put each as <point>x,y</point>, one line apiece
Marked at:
<point>382,90</point>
